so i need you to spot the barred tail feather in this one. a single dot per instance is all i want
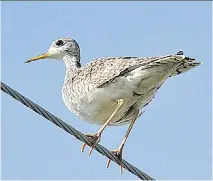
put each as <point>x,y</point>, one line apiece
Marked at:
<point>188,65</point>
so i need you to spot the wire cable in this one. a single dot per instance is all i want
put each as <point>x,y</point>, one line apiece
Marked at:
<point>80,136</point>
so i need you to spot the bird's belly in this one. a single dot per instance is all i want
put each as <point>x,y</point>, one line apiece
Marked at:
<point>96,107</point>
<point>98,112</point>
<point>102,106</point>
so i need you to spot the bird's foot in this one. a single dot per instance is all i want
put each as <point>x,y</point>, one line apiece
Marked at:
<point>95,139</point>
<point>118,153</point>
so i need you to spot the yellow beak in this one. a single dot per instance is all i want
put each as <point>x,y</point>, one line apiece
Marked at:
<point>42,56</point>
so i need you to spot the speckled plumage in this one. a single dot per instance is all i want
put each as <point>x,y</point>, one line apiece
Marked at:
<point>112,90</point>
<point>90,91</point>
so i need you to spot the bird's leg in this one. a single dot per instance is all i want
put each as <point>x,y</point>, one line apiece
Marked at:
<point>97,136</point>
<point>119,151</point>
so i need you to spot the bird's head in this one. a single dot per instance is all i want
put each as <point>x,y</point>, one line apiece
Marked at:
<point>60,48</point>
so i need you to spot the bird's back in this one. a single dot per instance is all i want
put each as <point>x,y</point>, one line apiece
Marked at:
<point>102,71</point>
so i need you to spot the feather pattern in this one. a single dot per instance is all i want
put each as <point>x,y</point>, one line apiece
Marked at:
<point>136,79</point>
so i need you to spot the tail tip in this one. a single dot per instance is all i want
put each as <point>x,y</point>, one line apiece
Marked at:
<point>180,53</point>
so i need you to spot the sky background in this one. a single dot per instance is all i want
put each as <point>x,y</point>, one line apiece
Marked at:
<point>172,140</point>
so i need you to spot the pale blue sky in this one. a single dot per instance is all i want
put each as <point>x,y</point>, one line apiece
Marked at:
<point>172,140</point>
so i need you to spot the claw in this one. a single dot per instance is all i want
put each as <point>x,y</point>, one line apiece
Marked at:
<point>118,153</point>
<point>108,162</point>
<point>91,149</point>
<point>83,146</point>
<point>95,139</point>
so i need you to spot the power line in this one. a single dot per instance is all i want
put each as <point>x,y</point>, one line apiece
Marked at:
<point>102,150</point>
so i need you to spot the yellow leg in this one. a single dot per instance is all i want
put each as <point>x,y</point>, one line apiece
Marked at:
<point>119,151</point>
<point>96,137</point>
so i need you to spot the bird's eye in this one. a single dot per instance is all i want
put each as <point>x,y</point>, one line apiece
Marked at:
<point>59,43</point>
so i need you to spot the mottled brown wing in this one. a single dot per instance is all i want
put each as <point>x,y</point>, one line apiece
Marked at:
<point>103,71</point>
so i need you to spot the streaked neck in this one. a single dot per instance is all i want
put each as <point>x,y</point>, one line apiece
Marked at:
<point>72,64</point>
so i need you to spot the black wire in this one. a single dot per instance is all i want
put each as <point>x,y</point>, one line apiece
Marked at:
<point>36,108</point>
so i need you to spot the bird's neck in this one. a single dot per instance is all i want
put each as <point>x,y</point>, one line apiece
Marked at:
<point>72,64</point>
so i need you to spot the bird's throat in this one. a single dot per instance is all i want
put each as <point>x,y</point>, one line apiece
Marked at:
<point>72,64</point>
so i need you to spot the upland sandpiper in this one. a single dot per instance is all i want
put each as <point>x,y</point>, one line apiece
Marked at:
<point>112,90</point>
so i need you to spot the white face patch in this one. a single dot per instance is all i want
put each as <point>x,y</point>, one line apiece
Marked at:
<point>55,53</point>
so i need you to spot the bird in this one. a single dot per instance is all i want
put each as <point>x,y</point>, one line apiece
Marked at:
<point>112,91</point>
